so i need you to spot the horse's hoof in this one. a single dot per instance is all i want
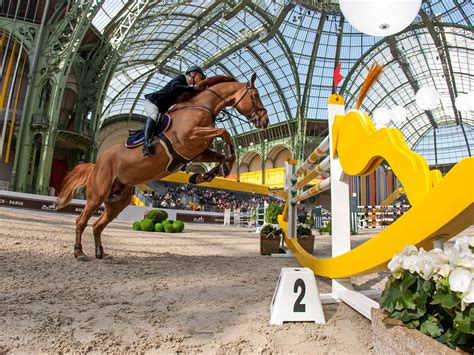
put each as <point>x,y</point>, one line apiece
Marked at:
<point>193,178</point>
<point>83,258</point>
<point>104,257</point>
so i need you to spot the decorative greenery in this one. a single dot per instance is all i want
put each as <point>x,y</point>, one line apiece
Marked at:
<point>178,226</point>
<point>310,221</point>
<point>136,226</point>
<point>434,292</point>
<point>303,229</point>
<point>157,216</point>
<point>326,229</point>
<point>272,230</point>
<point>169,228</point>
<point>159,227</point>
<point>273,210</point>
<point>147,225</point>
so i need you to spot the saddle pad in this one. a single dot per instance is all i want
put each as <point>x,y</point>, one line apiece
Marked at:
<point>137,137</point>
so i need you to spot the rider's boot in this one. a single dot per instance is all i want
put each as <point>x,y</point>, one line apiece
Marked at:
<point>148,145</point>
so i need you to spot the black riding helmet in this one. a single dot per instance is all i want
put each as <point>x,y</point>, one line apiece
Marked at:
<point>197,69</point>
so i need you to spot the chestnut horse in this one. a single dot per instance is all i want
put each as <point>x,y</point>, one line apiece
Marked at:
<point>112,178</point>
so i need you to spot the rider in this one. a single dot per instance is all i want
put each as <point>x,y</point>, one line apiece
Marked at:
<point>159,102</point>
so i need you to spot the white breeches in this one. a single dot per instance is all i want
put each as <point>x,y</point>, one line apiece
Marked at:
<point>151,110</point>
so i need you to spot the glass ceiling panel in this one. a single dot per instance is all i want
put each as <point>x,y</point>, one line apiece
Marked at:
<point>107,12</point>
<point>283,62</point>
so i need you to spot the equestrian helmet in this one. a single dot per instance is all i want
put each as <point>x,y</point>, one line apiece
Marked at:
<point>196,69</point>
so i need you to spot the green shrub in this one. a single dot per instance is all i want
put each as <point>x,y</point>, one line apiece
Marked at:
<point>178,226</point>
<point>157,216</point>
<point>159,227</point>
<point>326,229</point>
<point>273,210</point>
<point>147,225</point>
<point>136,226</point>
<point>169,228</point>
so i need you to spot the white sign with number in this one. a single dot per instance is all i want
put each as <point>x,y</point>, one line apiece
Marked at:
<point>296,298</point>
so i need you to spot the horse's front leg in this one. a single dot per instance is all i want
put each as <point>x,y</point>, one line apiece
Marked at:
<point>210,156</point>
<point>209,133</point>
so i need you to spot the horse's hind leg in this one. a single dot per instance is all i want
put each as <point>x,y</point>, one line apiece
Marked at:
<point>112,209</point>
<point>96,194</point>
<point>81,224</point>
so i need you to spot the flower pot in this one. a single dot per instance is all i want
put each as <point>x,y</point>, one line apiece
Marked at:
<point>396,339</point>
<point>307,243</point>
<point>269,244</point>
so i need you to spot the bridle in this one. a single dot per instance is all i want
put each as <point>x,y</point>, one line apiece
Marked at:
<point>254,115</point>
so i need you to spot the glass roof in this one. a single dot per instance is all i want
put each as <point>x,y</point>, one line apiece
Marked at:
<point>294,64</point>
<point>424,65</point>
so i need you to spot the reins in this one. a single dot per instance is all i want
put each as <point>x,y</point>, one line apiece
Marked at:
<point>255,110</point>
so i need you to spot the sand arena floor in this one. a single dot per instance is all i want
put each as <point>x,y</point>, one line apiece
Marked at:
<point>206,290</point>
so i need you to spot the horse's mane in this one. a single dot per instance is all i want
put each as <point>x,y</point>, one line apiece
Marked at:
<point>213,80</point>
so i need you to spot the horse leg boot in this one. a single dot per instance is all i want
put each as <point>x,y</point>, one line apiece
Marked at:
<point>148,145</point>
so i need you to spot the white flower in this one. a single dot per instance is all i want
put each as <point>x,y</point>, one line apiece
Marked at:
<point>444,271</point>
<point>395,266</point>
<point>409,250</point>
<point>439,257</point>
<point>464,242</point>
<point>460,280</point>
<point>425,264</point>
<point>468,296</point>
<point>410,263</point>
<point>462,257</point>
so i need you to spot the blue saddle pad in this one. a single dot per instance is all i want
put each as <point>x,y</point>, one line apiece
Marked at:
<point>136,137</point>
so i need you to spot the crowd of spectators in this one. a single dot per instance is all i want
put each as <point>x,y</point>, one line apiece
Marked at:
<point>166,194</point>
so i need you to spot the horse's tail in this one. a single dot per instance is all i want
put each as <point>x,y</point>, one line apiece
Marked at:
<point>74,180</point>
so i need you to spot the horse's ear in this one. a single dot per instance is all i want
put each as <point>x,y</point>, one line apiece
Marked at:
<point>252,80</point>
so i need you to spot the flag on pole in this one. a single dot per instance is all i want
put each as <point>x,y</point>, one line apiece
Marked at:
<point>337,77</point>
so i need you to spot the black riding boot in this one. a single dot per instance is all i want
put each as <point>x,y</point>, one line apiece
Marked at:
<point>148,145</point>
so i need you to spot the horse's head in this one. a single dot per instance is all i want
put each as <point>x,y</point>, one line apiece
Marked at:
<point>249,104</point>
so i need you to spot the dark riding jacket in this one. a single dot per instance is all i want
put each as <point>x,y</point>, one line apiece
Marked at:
<point>169,94</point>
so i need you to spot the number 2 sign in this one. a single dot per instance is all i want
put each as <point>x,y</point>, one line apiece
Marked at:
<point>296,298</point>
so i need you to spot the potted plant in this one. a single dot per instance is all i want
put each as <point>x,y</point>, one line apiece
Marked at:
<point>305,237</point>
<point>272,212</point>
<point>433,292</point>
<point>270,237</point>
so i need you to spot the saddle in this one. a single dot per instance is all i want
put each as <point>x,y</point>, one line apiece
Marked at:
<point>136,137</point>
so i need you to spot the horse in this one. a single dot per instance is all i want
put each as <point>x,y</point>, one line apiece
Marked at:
<point>118,169</point>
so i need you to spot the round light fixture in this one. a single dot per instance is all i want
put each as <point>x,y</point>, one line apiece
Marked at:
<point>461,103</point>
<point>427,98</point>
<point>380,17</point>
<point>398,114</point>
<point>470,101</point>
<point>381,117</point>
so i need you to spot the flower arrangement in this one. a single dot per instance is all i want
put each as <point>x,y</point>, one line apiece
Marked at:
<point>303,230</point>
<point>434,292</point>
<point>271,230</point>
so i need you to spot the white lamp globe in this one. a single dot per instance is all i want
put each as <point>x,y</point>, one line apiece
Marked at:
<point>381,117</point>
<point>470,101</point>
<point>461,102</point>
<point>380,17</point>
<point>427,98</point>
<point>398,114</point>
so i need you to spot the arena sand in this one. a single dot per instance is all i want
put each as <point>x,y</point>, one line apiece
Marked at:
<point>203,291</point>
